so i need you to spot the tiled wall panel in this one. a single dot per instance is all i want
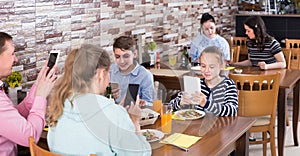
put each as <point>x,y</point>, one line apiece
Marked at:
<point>39,26</point>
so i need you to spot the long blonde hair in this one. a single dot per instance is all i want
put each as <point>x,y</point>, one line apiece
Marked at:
<point>79,69</point>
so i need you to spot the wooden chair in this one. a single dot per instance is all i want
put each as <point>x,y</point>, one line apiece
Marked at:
<point>292,43</point>
<point>295,59</point>
<point>235,53</point>
<point>242,42</point>
<point>257,95</point>
<point>35,150</point>
<point>287,56</point>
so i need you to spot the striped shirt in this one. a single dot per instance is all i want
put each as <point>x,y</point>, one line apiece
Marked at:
<point>222,100</point>
<point>271,48</point>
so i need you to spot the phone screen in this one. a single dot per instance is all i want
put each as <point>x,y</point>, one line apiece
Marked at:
<point>52,61</point>
<point>131,94</point>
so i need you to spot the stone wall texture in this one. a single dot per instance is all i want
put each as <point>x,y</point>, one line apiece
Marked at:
<point>39,26</point>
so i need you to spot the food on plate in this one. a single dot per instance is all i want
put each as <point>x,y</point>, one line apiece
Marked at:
<point>189,114</point>
<point>149,135</point>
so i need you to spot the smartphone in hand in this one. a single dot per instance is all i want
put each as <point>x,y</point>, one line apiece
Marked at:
<point>131,94</point>
<point>114,85</point>
<point>53,58</point>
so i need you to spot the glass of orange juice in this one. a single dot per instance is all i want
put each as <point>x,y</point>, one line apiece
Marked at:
<point>157,104</point>
<point>166,118</point>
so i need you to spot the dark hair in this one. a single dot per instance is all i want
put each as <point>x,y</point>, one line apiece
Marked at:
<point>261,36</point>
<point>214,50</point>
<point>125,43</point>
<point>4,37</point>
<point>207,17</point>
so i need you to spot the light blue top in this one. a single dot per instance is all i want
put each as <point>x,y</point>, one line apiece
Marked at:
<point>200,42</point>
<point>139,75</point>
<point>96,125</point>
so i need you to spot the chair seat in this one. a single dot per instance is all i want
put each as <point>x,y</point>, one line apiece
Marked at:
<point>261,121</point>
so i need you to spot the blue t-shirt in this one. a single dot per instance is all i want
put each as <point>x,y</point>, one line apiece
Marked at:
<point>139,75</point>
<point>200,42</point>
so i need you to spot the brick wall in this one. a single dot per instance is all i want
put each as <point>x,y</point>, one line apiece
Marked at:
<point>38,26</point>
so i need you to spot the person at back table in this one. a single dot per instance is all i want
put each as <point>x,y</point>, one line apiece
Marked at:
<point>264,50</point>
<point>218,93</point>
<point>18,123</point>
<point>83,121</point>
<point>126,70</point>
<point>208,37</point>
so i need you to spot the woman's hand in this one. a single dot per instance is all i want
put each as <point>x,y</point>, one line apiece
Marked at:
<point>134,112</point>
<point>44,84</point>
<point>262,65</point>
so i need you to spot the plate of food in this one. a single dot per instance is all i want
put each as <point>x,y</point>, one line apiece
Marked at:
<point>152,135</point>
<point>190,114</point>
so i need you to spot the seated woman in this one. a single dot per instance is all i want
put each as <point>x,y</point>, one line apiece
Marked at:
<point>82,120</point>
<point>218,93</point>
<point>264,50</point>
<point>208,37</point>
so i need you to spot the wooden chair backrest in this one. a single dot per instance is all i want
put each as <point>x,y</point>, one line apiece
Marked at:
<point>235,53</point>
<point>287,56</point>
<point>292,43</point>
<point>295,59</point>
<point>239,41</point>
<point>35,150</point>
<point>257,94</point>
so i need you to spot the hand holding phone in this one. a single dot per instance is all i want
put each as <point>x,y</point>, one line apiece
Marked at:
<point>131,94</point>
<point>53,58</point>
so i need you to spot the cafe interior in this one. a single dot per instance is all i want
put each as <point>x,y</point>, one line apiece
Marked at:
<point>39,27</point>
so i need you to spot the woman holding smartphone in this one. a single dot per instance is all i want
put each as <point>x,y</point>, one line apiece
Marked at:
<point>82,120</point>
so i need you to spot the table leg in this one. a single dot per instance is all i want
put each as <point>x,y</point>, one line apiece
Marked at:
<point>281,122</point>
<point>242,145</point>
<point>295,112</point>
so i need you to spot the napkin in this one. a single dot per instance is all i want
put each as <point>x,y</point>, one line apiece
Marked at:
<point>229,68</point>
<point>181,140</point>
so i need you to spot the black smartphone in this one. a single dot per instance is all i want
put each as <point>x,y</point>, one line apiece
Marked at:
<point>53,58</point>
<point>131,94</point>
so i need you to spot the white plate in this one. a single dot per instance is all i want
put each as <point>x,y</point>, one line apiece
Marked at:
<point>158,133</point>
<point>178,114</point>
<point>196,68</point>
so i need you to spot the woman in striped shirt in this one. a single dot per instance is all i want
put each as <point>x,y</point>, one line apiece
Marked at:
<point>264,50</point>
<point>218,93</point>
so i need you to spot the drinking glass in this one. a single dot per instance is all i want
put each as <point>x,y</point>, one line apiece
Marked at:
<point>172,60</point>
<point>157,102</point>
<point>166,118</point>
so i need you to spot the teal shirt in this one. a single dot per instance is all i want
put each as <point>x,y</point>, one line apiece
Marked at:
<point>96,125</point>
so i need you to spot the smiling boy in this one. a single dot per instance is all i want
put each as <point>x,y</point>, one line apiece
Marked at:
<point>126,70</point>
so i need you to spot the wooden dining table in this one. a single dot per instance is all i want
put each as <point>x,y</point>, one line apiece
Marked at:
<point>289,81</point>
<point>220,136</point>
